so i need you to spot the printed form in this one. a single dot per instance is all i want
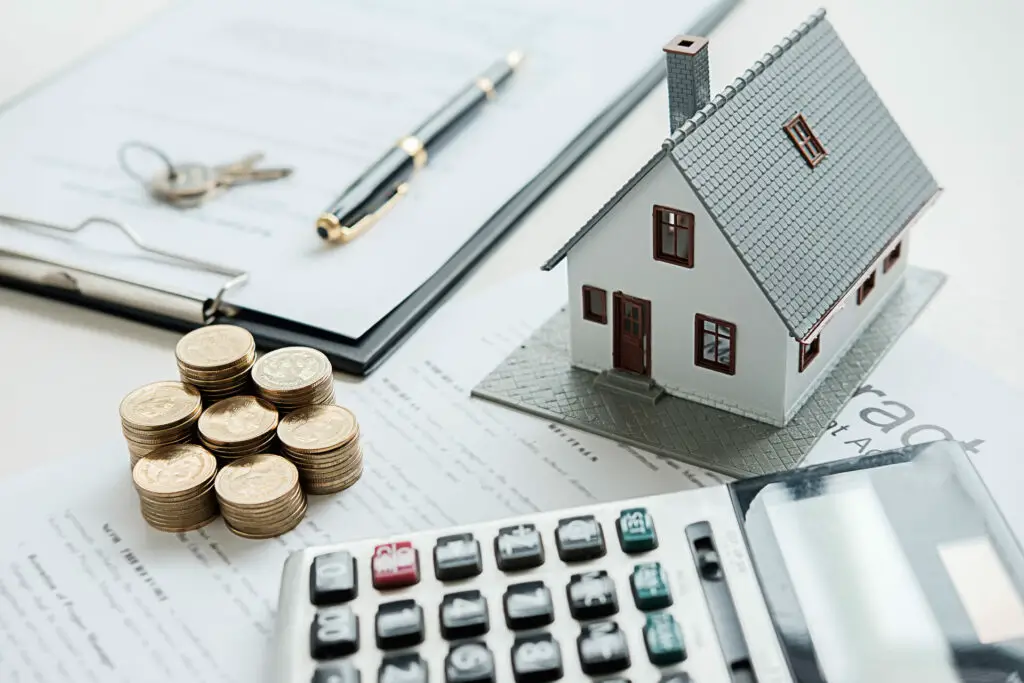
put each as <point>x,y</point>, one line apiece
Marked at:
<point>326,87</point>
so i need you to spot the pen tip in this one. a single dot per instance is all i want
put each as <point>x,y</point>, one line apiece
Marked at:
<point>514,58</point>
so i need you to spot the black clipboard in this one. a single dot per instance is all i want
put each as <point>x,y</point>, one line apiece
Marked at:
<point>363,355</point>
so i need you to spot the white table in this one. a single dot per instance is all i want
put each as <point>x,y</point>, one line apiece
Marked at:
<point>948,70</point>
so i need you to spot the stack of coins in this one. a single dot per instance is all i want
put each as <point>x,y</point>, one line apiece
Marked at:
<point>323,442</point>
<point>293,377</point>
<point>176,487</point>
<point>157,415</point>
<point>260,496</point>
<point>216,360</point>
<point>237,427</point>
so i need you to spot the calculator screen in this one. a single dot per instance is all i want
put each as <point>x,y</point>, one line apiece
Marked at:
<point>901,572</point>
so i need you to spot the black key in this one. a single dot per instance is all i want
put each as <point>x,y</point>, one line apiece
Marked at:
<point>592,595</point>
<point>676,677</point>
<point>518,547</point>
<point>528,605</point>
<point>603,649</point>
<point>464,615</point>
<point>334,633</point>
<point>536,659</point>
<point>341,672</point>
<point>332,579</point>
<point>403,669</point>
<point>457,557</point>
<point>399,624</point>
<point>469,663</point>
<point>579,539</point>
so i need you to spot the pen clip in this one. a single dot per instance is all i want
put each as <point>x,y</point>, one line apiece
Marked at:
<point>347,233</point>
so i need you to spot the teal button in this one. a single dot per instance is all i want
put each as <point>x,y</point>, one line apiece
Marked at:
<point>664,639</point>
<point>636,531</point>
<point>650,587</point>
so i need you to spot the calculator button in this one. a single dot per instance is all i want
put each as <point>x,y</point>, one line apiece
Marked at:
<point>664,639</point>
<point>603,649</point>
<point>332,579</point>
<point>464,615</point>
<point>528,605</point>
<point>395,565</point>
<point>650,586</point>
<point>674,677</point>
<point>342,672</point>
<point>518,547</point>
<point>399,624</point>
<point>403,669</point>
<point>469,663</point>
<point>579,539</point>
<point>457,557</point>
<point>334,633</point>
<point>592,595</point>
<point>536,659</point>
<point>636,531</point>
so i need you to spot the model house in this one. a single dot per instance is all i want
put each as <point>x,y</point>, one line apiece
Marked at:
<point>739,264</point>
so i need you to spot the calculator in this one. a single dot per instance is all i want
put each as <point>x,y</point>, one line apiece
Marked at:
<point>891,567</point>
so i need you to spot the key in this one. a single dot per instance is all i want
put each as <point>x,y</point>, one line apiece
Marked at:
<point>190,184</point>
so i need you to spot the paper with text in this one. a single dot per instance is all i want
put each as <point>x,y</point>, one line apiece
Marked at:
<point>325,86</point>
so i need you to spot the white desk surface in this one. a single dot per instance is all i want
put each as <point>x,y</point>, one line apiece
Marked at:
<point>948,70</point>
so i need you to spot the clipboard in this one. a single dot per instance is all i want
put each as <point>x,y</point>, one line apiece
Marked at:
<point>181,312</point>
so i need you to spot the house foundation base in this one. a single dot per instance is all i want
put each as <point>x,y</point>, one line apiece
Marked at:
<point>538,378</point>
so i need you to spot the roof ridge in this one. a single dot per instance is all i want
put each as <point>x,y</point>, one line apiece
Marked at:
<point>744,79</point>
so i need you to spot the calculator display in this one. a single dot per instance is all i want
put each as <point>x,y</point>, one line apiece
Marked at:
<point>888,574</point>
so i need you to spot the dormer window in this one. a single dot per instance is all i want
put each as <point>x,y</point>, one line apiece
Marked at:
<point>673,236</point>
<point>806,141</point>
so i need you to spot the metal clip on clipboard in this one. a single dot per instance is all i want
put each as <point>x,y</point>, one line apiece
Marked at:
<point>94,285</point>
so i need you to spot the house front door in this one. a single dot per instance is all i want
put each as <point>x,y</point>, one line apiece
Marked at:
<point>632,343</point>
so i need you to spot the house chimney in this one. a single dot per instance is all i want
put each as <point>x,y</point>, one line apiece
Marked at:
<point>689,82</point>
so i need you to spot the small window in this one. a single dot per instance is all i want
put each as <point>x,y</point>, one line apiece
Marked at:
<point>595,304</point>
<point>673,236</point>
<point>865,288</point>
<point>892,257</point>
<point>806,141</point>
<point>715,344</point>
<point>809,352</point>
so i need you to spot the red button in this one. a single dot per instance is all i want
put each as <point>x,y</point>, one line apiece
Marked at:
<point>395,565</point>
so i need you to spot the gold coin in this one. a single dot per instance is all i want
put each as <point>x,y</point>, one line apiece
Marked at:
<point>160,404</point>
<point>290,368</point>
<point>256,480</point>
<point>238,418</point>
<point>317,427</point>
<point>214,346</point>
<point>174,469</point>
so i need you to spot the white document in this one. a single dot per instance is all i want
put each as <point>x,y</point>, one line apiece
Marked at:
<point>88,593</point>
<point>325,86</point>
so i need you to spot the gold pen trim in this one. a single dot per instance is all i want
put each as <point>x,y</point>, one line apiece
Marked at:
<point>413,146</point>
<point>487,85</point>
<point>328,226</point>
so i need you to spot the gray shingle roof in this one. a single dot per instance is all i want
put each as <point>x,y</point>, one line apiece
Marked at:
<point>806,235</point>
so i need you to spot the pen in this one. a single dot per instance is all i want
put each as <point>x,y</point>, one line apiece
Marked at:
<point>363,203</point>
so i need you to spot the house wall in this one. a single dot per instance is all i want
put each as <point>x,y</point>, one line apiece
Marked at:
<point>617,256</point>
<point>842,329</point>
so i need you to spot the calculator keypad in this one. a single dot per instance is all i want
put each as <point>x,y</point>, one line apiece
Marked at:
<point>334,633</point>
<point>664,639</point>
<point>603,649</point>
<point>403,669</point>
<point>650,587</point>
<point>536,659</point>
<point>332,578</point>
<point>399,624</point>
<point>469,663</point>
<point>395,565</point>
<point>528,605</point>
<point>464,615</point>
<point>518,547</point>
<point>635,528</point>
<point>592,595</point>
<point>339,672</point>
<point>457,557</point>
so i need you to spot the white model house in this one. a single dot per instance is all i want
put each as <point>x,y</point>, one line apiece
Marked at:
<point>740,263</point>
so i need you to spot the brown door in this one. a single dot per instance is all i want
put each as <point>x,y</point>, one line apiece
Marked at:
<point>632,344</point>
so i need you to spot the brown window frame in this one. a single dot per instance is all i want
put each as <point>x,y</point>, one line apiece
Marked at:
<point>866,288</point>
<point>683,219</point>
<point>803,136</point>
<point>588,291</point>
<point>698,344</point>
<point>809,351</point>
<point>892,257</point>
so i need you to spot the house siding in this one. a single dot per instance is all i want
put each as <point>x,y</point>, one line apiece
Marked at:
<point>617,255</point>
<point>842,329</point>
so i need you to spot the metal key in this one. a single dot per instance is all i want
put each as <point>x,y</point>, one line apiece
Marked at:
<point>190,184</point>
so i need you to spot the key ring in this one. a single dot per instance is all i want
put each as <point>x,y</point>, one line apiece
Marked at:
<point>172,172</point>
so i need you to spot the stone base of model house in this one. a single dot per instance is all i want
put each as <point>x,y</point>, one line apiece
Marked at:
<point>538,378</point>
